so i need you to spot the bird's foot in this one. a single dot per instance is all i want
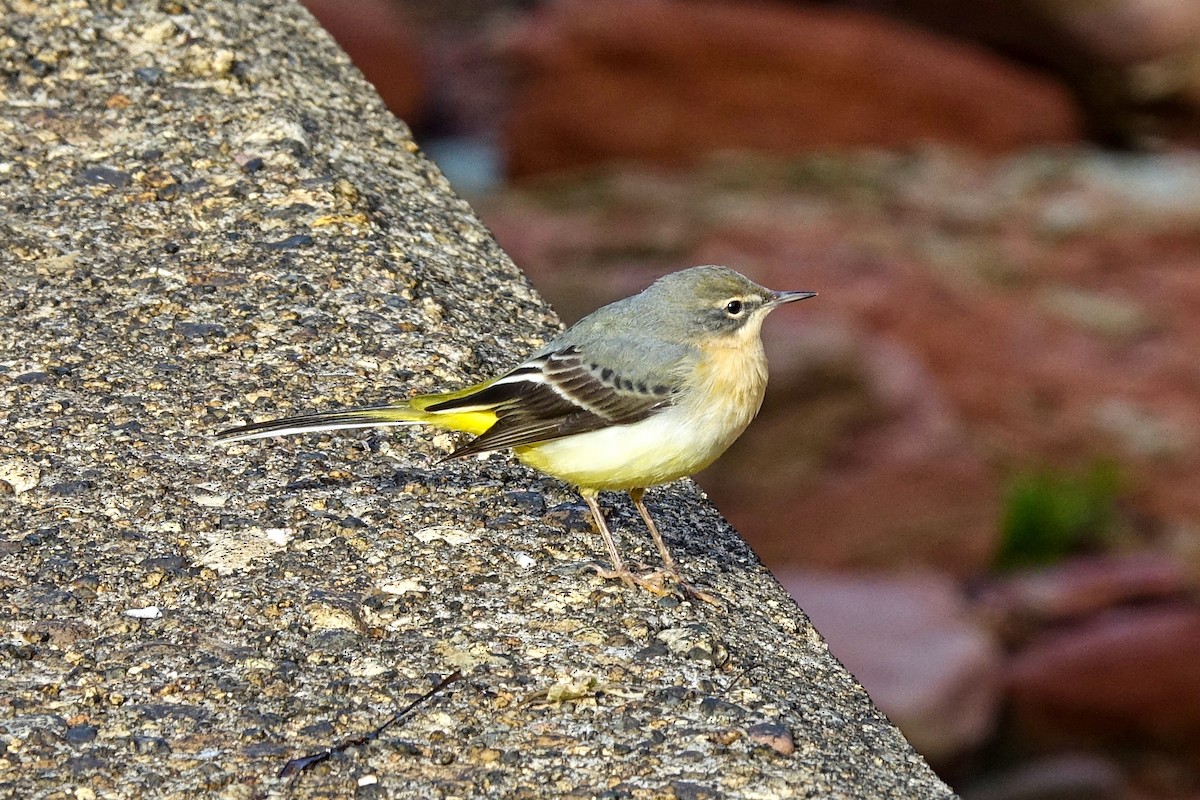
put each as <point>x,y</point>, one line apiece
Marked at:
<point>692,592</point>
<point>654,582</point>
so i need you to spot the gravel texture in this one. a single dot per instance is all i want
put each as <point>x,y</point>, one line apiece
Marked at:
<point>207,216</point>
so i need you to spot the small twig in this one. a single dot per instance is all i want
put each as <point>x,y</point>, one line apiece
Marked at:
<point>298,765</point>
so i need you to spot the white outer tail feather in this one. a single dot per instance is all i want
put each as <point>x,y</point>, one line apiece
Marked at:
<point>312,427</point>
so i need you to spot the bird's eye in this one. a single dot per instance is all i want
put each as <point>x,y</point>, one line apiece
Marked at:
<point>734,308</point>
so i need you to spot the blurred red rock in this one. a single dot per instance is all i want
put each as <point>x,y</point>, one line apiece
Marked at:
<point>1129,675</point>
<point>666,82</point>
<point>1113,33</point>
<point>382,45</point>
<point>1131,62</point>
<point>1085,586</point>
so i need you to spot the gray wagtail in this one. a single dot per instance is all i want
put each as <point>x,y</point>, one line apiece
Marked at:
<point>641,392</point>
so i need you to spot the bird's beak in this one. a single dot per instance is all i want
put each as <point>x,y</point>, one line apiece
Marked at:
<point>789,297</point>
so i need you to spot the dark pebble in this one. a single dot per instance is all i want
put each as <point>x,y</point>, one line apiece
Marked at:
<point>88,580</point>
<point>252,166</point>
<point>768,729</point>
<point>656,738</point>
<point>504,522</point>
<point>317,730</point>
<point>299,240</point>
<point>686,790</point>
<point>716,707</point>
<point>157,711</point>
<point>104,176</point>
<point>147,745</point>
<point>169,564</point>
<point>404,747</point>
<point>533,502</point>
<point>70,488</point>
<point>199,330</point>
<point>353,522</point>
<point>656,650</point>
<point>40,68</point>
<point>403,477</point>
<point>33,377</point>
<point>674,695</point>
<point>334,641</point>
<point>569,517</point>
<point>80,734</point>
<point>95,761</point>
<point>148,74</point>
<point>616,793</point>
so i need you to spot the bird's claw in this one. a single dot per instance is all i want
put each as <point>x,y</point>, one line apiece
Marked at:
<point>654,583</point>
<point>694,593</point>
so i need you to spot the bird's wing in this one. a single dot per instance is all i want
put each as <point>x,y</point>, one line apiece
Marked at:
<point>554,394</point>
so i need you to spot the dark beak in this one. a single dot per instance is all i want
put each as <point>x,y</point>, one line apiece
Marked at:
<point>789,297</point>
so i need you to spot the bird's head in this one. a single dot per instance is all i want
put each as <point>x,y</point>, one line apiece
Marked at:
<point>714,301</point>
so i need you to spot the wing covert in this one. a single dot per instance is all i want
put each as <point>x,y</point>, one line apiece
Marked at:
<point>556,394</point>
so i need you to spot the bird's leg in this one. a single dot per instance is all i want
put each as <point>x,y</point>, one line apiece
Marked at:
<point>638,495</point>
<point>619,569</point>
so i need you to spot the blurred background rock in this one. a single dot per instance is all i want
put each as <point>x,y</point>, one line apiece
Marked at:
<point>978,465</point>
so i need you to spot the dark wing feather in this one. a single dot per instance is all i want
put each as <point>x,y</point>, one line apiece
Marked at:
<point>554,395</point>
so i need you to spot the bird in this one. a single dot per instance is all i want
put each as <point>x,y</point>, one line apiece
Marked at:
<point>639,393</point>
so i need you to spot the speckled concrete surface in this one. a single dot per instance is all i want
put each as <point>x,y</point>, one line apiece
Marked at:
<point>207,216</point>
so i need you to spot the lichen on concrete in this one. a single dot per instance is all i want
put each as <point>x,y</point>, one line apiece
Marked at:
<point>206,217</point>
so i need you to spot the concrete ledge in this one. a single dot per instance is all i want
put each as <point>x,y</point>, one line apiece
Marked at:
<point>208,216</point>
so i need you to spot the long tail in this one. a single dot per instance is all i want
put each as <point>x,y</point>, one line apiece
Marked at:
<point>374,417</point>
<point>456,411</point>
